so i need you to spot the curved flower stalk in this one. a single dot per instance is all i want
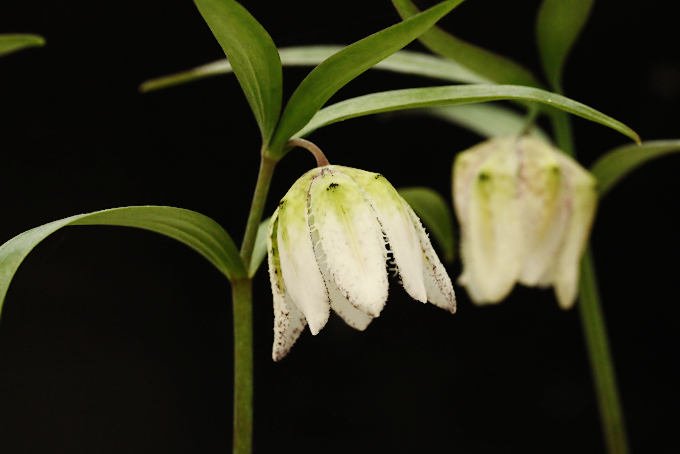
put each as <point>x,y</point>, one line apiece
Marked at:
<point>525,211</point>
<point>331,241</point>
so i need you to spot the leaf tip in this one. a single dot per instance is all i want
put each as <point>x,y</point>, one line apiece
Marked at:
<point>144,87</point>
<point>150,85</point>
<point>37,41</point>
<point>637,139</point>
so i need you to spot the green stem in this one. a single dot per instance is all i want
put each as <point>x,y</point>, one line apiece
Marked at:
<point>530,119</point>
<point>594,327</point>
<point>242,301</point>
<point>562,130</point>
<point>595,331</point>
<point>264,178</point>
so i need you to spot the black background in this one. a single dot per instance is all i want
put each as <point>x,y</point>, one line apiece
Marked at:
<point>115,340</point>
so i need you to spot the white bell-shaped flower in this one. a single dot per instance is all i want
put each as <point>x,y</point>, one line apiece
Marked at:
<point>331,241</point>
<point>525,211</point>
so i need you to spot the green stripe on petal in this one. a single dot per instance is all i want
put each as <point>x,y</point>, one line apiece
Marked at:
<point>351,240</point>
<point>301,275</point>
<point>288,320</point>
<point>542,206</point>
<point>490,224</point>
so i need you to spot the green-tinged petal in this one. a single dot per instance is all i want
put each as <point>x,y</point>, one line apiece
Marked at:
<point>11,43</point>
<point>396,225</point>
<point>438,285</point>
<point>485,194</point>
<point>542,198</point>
<point>619,162</point>
<point>351,240</point>
<point>583,202</point>
<point>340,303</point>
<point>195,230</point>
<point>302,278</point>
<point>435,213</point>
<point>289,321</point>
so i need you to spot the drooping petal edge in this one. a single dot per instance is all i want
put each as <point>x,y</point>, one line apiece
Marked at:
<point>437,281</point>
<point>288,320</point>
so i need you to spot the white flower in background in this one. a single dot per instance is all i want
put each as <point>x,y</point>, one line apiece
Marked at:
<point>525,211</point>
<point>331,240</point>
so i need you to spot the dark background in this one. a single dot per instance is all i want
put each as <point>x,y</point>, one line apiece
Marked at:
<point>116,340</point>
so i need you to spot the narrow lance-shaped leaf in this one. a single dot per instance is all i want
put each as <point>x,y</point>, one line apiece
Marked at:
<point>558,25</point>
<point>405,62</point>
<point>619,162</point>
<point>435,213</point>
<point>411,98</point>
<point>16,42</point>
<point>331,75</point>
<point>486,64</point>
<point>487,120</point>
<point>197,231</point>
<point>260,248</point>
<point>253,56</point>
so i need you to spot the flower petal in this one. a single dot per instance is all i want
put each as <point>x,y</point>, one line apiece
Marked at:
<point>354,317</point>
<point>488,210</point>
<point>339,302</point>
<point>288,320</point>
<point>582,202</point>
<point>437,282</point>
<point>351,240</point>
<point>301,275</point>
<point>397,226</point>
<point>544,218</point>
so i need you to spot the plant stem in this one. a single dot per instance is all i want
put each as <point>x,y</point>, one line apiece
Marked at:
<point>594,327</point>
<point>264,178</point>
<point>562,130</point>
<point>321,159</point>
<point>242,301</point>
<point>595,331</point>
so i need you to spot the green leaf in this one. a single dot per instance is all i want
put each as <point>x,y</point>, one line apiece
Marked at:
<point>253,56</point>
<point>435,213</point>
<point>197,231</point>
<point>405,62</point>
<point>260,249</point>
<point>411,98</point>
<point>487,65</point>
<point>16,42</point>
<point>487,120</point>
<point>336,71</point>
<point>619,162</point>
<point>558,25</point>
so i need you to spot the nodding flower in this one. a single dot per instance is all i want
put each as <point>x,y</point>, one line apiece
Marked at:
<point>331,241</point>
<point>525,211</point>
